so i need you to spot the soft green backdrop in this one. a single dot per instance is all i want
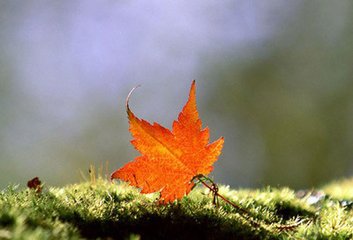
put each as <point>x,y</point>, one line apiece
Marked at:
<point>274,78</point>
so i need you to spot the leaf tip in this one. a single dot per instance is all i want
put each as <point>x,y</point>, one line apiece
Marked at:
<point>113,176</point>
<point>193,85</point>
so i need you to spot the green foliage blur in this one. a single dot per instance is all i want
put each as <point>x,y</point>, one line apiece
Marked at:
<point>283,100</point>
<point>290,108</point>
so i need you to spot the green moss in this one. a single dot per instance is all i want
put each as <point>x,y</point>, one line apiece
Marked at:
<point>342,189</point>
<point>104,210</point>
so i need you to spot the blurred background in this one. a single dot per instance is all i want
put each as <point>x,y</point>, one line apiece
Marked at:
<point>275,78</point>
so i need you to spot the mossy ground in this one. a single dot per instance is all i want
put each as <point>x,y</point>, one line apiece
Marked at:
<point>100,209</point>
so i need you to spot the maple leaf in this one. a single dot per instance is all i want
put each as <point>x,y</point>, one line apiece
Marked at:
<point>170,159</point>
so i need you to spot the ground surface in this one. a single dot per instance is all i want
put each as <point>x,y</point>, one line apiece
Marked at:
<point>99,209</point>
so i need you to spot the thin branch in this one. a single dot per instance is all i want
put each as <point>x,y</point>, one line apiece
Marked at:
<point>244,213</point>
<point>214,189</point>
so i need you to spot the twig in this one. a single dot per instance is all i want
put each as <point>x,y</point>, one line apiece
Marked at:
<point>214,189</point>
<point>243,213</point>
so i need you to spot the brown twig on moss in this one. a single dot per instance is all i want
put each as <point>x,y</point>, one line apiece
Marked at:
<point>213,187</point>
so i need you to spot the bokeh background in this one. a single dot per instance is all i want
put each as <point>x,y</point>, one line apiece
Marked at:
<point>275,78</point>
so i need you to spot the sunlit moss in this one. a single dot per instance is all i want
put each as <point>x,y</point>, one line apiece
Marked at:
<point>100,209</point>
<point>342,189</point>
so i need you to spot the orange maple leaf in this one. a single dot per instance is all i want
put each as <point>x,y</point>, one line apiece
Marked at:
<point>170,159</point>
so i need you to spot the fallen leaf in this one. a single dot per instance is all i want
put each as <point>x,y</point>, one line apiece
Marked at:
<point>35,184</point>
<point>170,159</point>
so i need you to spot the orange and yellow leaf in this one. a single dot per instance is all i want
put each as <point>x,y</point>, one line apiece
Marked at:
<point>170,159</point>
